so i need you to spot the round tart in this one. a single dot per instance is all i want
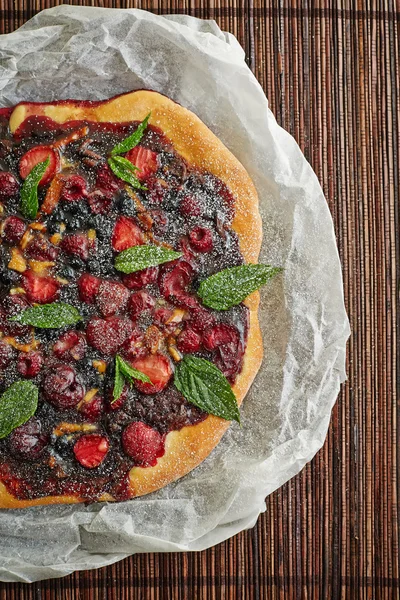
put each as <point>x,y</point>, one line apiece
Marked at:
<point>123,358</point>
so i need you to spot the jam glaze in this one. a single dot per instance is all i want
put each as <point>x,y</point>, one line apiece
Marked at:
<point>182,208</point>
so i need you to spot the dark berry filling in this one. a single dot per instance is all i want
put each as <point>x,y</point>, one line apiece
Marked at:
<point>81,441</point>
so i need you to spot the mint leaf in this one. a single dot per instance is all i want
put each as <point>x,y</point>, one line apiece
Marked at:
<point>203,384</point>
<point>231,286</point>
<point>29,204</point>
<point>118,382</point>
<point>17,405</point>
<point>125,170</point>
<point>49,316</point>
<point>132,140</point>
<point>123,370</point>
<point>138,258</point>
<point>129,372</point>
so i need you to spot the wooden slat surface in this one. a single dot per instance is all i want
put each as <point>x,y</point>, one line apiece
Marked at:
<point>331,73</point>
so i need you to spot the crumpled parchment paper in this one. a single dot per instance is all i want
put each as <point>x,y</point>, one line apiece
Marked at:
<point>94,53</point>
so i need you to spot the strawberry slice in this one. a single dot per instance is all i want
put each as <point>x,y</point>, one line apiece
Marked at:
<point>42,290</point>
<point>126,234</point>
<point>144,159</point>
<point>88,286</point>
<point>111,298</point>
<point>91,450</point>
<point>36,155</point>
<point>143,443</point>
<point>158,369</point>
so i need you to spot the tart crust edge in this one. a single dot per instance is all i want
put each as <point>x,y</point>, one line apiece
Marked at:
<point>187,448</point>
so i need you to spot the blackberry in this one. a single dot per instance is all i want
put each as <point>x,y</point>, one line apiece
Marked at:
<point>125,205</point>
<point>103,226</point>
<point>94,267</point>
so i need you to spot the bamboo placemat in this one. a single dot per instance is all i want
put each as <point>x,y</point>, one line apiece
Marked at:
<point>331,73</point>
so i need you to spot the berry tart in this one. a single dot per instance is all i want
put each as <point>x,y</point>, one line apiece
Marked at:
<point>128,305</point>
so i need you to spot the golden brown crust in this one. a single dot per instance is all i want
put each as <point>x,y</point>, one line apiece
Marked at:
<point>187,448</point>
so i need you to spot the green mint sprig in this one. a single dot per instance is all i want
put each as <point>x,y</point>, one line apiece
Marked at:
<point>132,140</point>
<point>140,257</point>
<point>231,286</point>
<point>124,371</point>
<point>29,204</point>
<point>203,384</point>
<point>17,404</point>
<point>48,316</point>
<point>125,170</point>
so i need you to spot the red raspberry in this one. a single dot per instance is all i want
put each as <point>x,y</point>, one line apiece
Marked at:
<point>157,189</point>
<point>42,290</point>
<point>76,244</point>
<point>100,202</point>
<point>30,363</point>
<point>190,207</point>
<point>139,302</point>
<point>93,409</point>
<point>88,286</point>
<point>112,297</point>
<point>13,230</point>
<point>143,444</point>
<point>28,441</point>
<point>70,346</point>
<point>9,186</point>
<point>133,347</point>
<point>74,189</point>
<point>108,335</point>
<point>201,239</point>
<point>41,249</point>
<point>90,450</point>
<point>188,341</point>
<point>138,280</point>
<point>158,369</point>
<point>126,234</point>
<point>61,388</point>
<point>36,155</point>
<point>107,181</point>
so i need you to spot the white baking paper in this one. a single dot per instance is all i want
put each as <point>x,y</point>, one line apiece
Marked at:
<point>94,53</point>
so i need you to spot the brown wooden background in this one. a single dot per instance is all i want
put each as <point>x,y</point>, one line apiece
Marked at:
<point>331,73</point>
